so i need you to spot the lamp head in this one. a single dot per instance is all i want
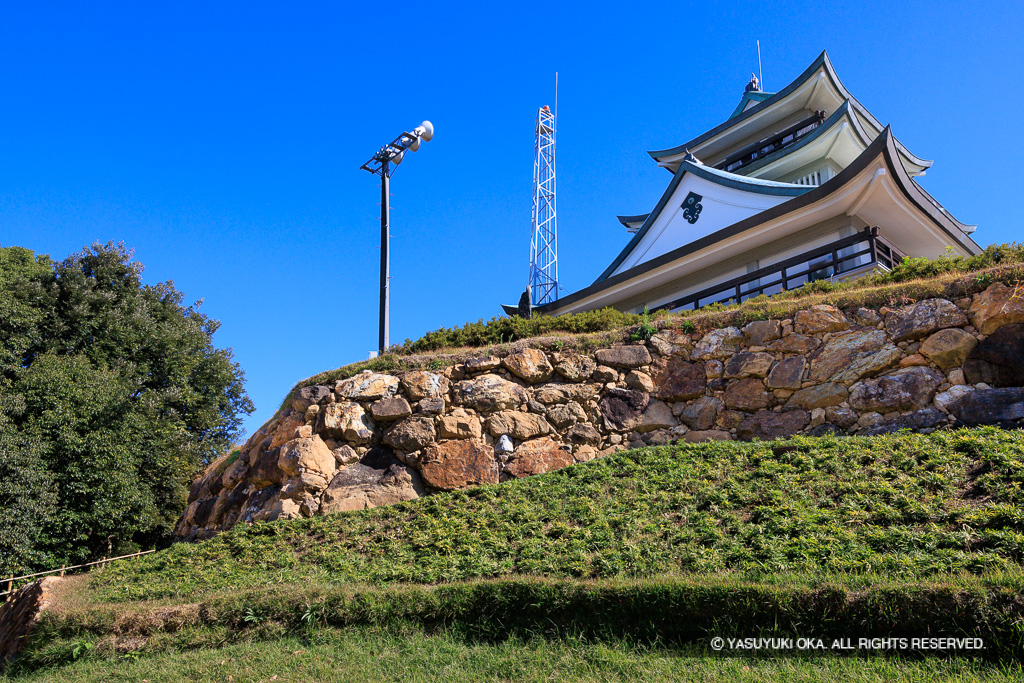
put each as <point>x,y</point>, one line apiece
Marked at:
<point>425,130</point>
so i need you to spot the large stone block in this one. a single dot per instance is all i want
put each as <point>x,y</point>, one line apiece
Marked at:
<point>949,348</point>
<point>767,424</point>
<point>999,359</point>
<point>454,465</point>
<point>379,479</point>
<point>307,455</point>
<point>309,396</point>
<point>521,426</point>
<point>459,424</point>
<point>906,389</point>
<point>347,421</point>
<point>677,380</point>
<point>787,374</point>
<point>390,409</point>
<point>747,364</point>
<point>747,394</point>
<point>921,319</point>
<point>574,367</point>
<point>537,457</point>
<point>624,356</point>
<point>622,408</point>
<point>849,356</point>
<point>700,415</point>
<point>488,393</point>
<point>529,365</point>
<point>820,319</point>
<point>411,434</point>
<point>927,418</point>
<point>997,306</point>
<point>761,332</point>
<point>419,385</point>
<point>564,415</point>
<point>1002,407</point>
<point>795,343</point>
<point>657,415</point>
<point>819,396</point>
<point>366,386</point>
<point>719,344</point>
<point>550,394</point>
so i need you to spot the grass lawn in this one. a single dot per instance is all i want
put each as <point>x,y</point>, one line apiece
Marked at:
<point>368,655</point>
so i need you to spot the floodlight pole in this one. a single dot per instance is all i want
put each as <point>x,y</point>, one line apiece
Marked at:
<point>383,164</point>
<point>385,258</point>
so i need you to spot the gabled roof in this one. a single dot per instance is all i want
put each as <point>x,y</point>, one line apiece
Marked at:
<point>732,180</point>
<point>883,150</point>
<point>749,96</point>
<point>821,64</point>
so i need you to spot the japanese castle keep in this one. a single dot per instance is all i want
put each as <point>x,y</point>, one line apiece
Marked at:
<point>802,184</point>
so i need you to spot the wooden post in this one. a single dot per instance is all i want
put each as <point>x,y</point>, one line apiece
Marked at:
<point>62,569</point>
<point>10,582</point>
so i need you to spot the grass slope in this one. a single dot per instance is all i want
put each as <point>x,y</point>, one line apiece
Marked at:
<point>900,505</point>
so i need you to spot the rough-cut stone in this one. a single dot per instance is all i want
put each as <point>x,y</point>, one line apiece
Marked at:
<point>701,414</point>
<point>921,319</point>
<point>949,348</point>
<point>841,416</point>
<point>284,431</point>
<point>1002,407</point>
<point>947,398</point>
<point>819,320</point>
<point>913,360</point>
<point>639,381</point>
<point>624,356</point>
<point>390,409</point>
<point>720,344</point>
<point>307,455</point>
<point>669,343</point>
<point>677,380</point>
<point>819,396</point>
<point>566,414</point>
<point>504,445</point>
<point>767,424</point>
<point>997,306</point>
<point>529,365</point>
<point>760,332</point>
<point>521,426</point>
<point>866,317</point>
<point>485,364</point>
<point>747,364</point>
<point>411,434</point>
<point>489,393</point>
<point>849,356</point>
<point>379,479</point>
<point>537,457</point>
<point>706,435</point>
<point>906,389</point>
<point>657,415</point>
<point>454,465</point>
<point>787,374</point>
<point>563,393</point>
<point>585,453</point>
<point>431,406</point>
<point>927,418</point>
<point>795,343</point>
<point>459,424</point>
<point>344,455</point>
<point>347,421</point>
<point>419,385</point>
<point>603,373</point>
<point>366,386</point>
<point>622,408</point>
<point>747,394</point>
<point>574,367</point>
<point>729,419</point>
<point>584,435</point>
<point>999,359</point>
<point>235,473</point>
<point>309,396</point>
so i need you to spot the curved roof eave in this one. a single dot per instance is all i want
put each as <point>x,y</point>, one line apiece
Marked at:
<point>632,220</point>
<point>884,144</point>
<point>842,112</point>
<point>821,61</point>
<point>723,178</point>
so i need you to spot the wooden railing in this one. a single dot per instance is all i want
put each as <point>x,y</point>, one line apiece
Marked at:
<point>817,264</point>
<point>10,580</point>
<point>756,151</point>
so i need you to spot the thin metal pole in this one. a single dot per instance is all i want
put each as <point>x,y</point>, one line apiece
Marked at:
<point>385,261</point>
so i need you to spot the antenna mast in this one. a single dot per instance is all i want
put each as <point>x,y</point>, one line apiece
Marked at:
<point>544,240</point>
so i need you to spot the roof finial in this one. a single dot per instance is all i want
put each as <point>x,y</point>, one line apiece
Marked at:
<point>754,85</point>
<point>688,156</point>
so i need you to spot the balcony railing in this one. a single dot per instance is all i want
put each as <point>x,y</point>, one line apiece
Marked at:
<point>842,256</point>
<point>761,149</point>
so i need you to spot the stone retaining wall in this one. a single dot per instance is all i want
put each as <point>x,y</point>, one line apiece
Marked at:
<point>376,439</point>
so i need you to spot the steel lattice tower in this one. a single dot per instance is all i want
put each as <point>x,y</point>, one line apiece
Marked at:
<point>544,240</point>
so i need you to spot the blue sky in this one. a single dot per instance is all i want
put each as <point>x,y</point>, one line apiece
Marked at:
<point>223,141</point>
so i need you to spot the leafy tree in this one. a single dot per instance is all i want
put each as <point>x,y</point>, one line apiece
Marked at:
<point>120,393</point>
